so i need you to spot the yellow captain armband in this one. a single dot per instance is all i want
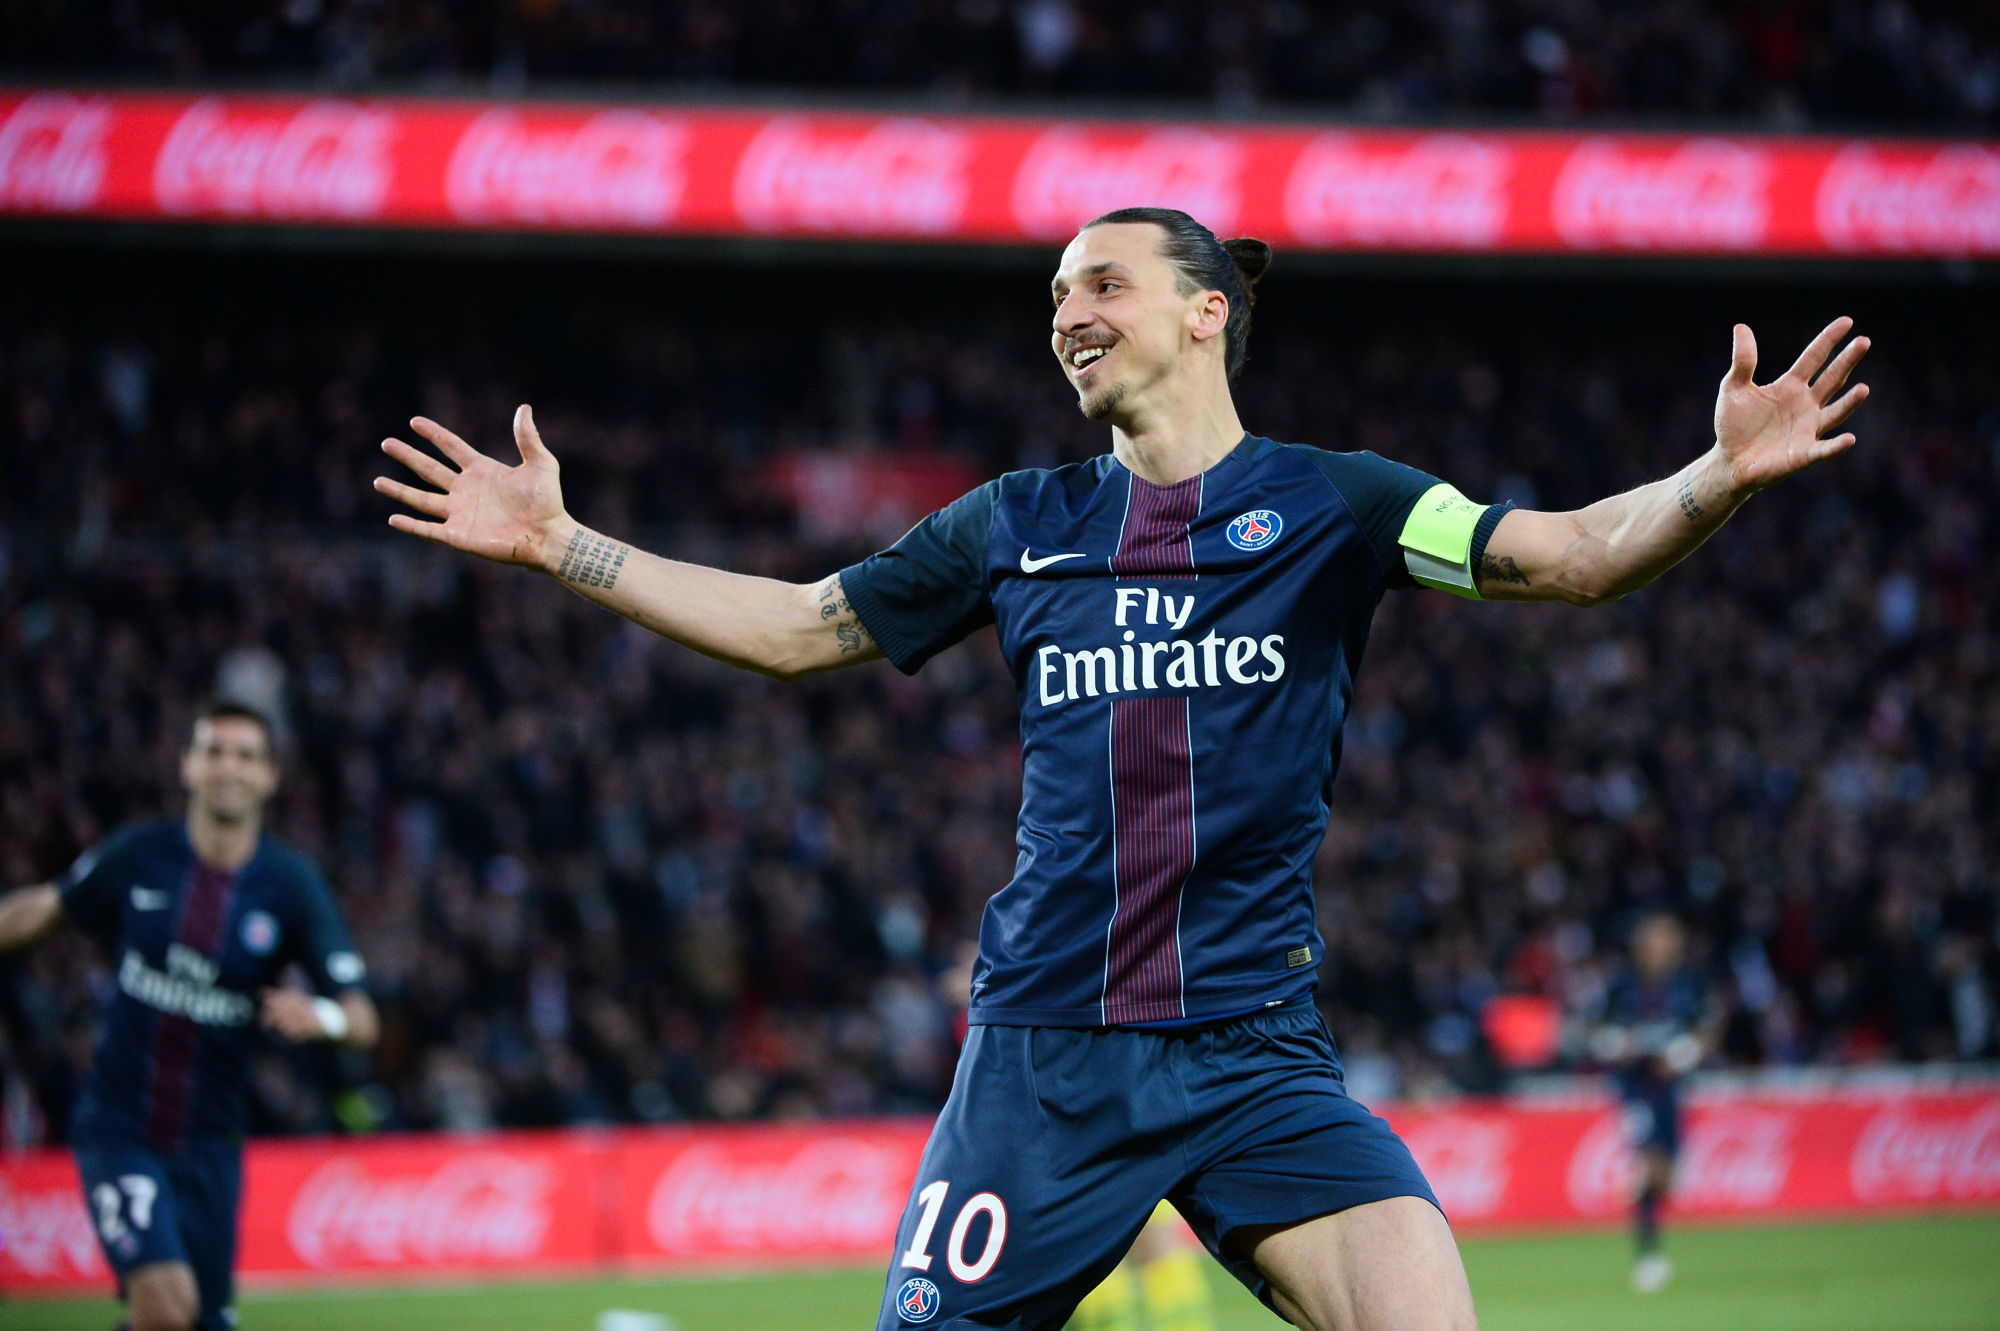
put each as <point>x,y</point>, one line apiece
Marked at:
<point>1437,541</point>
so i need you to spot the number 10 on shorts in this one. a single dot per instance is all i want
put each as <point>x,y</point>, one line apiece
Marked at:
<point>931,1199</point>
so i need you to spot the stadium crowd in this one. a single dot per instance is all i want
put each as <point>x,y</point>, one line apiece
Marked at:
<point>1787,63</point>
<point>598,878</point>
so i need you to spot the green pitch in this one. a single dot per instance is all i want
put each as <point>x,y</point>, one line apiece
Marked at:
<point>1935,1273</point>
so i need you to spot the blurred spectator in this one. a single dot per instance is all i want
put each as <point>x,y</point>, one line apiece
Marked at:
<point>1780,62</point>
<point>599,878</point>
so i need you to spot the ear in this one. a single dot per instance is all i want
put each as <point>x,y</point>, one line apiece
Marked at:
<point>1208,315</point>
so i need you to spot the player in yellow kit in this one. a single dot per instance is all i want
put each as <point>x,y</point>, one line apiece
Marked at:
<point>1162,1275</point>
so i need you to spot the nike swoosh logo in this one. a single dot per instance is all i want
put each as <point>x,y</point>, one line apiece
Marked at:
<point>1030,564</point>
<point>147,898</point>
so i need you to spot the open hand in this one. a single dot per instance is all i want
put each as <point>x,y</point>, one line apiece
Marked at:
<point>485,508</point>
<point>1769,431</point>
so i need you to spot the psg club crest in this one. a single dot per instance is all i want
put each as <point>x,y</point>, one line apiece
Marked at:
<point>1255,529</point>
<point>917,1300</point>
<point>260,933</point>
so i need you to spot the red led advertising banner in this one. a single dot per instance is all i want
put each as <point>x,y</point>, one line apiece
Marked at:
<point>773,1196</point>
<point>677,170</point>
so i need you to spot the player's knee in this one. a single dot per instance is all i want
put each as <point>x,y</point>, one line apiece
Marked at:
<point>163,1298</point>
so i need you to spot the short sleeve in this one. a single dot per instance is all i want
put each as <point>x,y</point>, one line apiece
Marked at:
<point>322,944</point>
<point>90,888</point>
<point>1422,530</point>
<point>928,590</point>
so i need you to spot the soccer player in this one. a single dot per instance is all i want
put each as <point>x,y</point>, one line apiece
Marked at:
<point>1657,1028</point>
<point>1183,616</point>
<point>1161,1275</point>
<point>203,916</point>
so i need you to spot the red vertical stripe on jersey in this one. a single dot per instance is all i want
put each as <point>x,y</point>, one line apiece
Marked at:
<point>1152,785</point>
<point>1152,793</point>
<point>1154,542</point>
<point>176,1039</point>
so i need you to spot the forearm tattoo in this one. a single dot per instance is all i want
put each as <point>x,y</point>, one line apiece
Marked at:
<point>1690,510</point>
<point>1502,569</point>
<point>592,561</point>
<point>847,626</point>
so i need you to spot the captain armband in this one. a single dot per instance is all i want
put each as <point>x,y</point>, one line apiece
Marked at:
<point>1437,541</point>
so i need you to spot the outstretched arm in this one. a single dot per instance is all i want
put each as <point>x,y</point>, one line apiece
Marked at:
<point>1763,433</point>
<point>28,914</point>
<point>515,515</point>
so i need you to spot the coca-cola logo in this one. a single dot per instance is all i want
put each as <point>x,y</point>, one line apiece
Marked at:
<point>1705,194</point>
<point>1736,1159</point>
<point>1444,190</point>
<point>1069,176</point>
<point>897,176</point>
<point>615,169</point>
<point>1466,1161</point>
<point>833,1193</point>
<point>1945,203</point>
<point>47,1232</point>
<point>1731,1159</point>
<point>326,160</point>
<point>480,1207</point>
<point>1901,1157</point>
<point>53,154</point>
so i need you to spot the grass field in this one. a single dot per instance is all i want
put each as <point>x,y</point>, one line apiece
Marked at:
<point>1935,1273</point>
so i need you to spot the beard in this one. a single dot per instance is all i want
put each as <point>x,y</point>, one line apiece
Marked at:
<point>1102,405</point>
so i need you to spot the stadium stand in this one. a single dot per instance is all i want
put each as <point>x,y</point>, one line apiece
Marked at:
<point>600,879</point>
<point>1776,63</point>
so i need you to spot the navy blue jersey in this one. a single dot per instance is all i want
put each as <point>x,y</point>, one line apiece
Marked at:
<point>1652,1014</point>
<point>192,944</point>
<point>1184,657</point>
<point>1656,1010</point>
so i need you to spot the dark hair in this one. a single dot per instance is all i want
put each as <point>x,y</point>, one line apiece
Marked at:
<point>1203,263</point>
<point>222,709</point>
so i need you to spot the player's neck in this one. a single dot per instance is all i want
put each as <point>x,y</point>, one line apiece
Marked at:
<point>222,844</point>
<point>1167,442</point>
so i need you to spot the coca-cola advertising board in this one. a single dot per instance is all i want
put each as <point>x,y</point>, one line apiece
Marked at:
<point>664,169</point>
<point>754,1195</point>
<point>510,1202</point>
<point>769,1195</point>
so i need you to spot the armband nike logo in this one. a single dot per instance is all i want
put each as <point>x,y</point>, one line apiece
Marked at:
<point>1030,564</point>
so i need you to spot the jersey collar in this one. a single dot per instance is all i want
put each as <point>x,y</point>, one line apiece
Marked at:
<point>1248,447</point>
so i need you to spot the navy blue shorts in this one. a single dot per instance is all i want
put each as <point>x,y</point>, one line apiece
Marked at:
<point>151,1207</point>
<point>1652,1114</point>
<point>1057,1144</point>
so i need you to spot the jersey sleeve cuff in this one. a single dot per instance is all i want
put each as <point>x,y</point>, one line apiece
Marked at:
<point>1483,533</point>
<point>855,586</point>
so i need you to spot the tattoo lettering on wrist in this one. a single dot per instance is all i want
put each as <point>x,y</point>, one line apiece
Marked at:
<point>834,609</point>
<point>592,561</point>
<point>1502,569</point>
<point>1684,492</point>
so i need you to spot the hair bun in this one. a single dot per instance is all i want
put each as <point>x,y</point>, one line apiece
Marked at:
<point>1252,257</point>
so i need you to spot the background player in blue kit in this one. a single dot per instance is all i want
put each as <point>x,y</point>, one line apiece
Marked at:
<point>202,916</point>
<point>1656,1030</point>
<point>1183,617</point>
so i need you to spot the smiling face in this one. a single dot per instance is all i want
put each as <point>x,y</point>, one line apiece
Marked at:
<point>228,769</point>
<point>1122,323</point>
